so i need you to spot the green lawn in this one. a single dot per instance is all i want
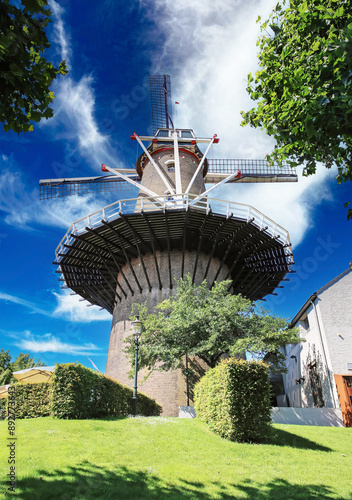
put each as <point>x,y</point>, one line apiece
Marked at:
<point>157,458</point>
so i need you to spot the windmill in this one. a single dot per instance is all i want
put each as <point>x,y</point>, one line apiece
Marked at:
<point>131,250</point>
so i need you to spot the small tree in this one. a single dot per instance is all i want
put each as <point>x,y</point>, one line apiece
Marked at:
<point>234,399</point>
<point>7,367</point>
<point>303,88</point>
<point>208,324</point>
<point>25,75</point>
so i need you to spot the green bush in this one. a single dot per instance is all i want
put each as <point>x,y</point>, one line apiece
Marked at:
<point>234,399</point>
<point>79,392</point>
<point>32,400</point>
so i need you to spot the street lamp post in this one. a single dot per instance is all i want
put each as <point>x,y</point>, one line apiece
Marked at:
<point>137,331</point>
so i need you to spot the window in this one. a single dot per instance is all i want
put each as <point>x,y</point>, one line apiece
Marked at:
<point>170,164</point>
<point>171,167</point>
<point>305,323</point>
<point>163,133</point>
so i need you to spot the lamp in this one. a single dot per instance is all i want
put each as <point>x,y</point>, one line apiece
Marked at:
<point>137,332</point>
<point>300,380</point>
<point>294,357</point>
<point>137,328</point>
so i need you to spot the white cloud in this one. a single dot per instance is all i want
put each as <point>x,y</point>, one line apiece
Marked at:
<point>23,209</point>
<point>63,38</point>
<point>49,343</point>
<point>74,107</point>
<point>70,307</point>
<point>74,114</point>
<point>210,48</point>
<point>22,302</point>
<point>289,204</point>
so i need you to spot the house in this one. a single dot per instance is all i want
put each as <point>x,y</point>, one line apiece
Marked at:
<point>319,370</point>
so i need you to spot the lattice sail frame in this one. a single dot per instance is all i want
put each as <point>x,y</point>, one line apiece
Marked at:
<point>59,188</point>
<point>160,97</point>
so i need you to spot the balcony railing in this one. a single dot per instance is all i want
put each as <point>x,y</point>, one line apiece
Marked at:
<point>176,202</point>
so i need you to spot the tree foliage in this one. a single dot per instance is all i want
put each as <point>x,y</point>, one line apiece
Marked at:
<point>207,324</point>
<point>303,88</point>
<point>7,367</point>
<point>25,74</point>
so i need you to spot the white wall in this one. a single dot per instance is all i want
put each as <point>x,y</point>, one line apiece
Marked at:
<point>328,336</point>
<point>329,417</point>
<point>300,394</point>
<point>335,315</point>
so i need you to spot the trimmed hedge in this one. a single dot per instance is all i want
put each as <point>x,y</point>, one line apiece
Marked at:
<point>234,399</point>
<point>79,392</point>
<point>32,400</point>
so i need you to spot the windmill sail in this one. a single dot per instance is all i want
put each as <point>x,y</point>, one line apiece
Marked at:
<point>59,188</point>
<point>160,96</point>
<point>252,171</point>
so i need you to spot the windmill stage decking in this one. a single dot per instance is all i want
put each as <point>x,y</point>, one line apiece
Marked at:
<point>254,249</point>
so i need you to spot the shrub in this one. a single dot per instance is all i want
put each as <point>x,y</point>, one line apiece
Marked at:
<point>79,392</point>
<point>32,400</point>
<point>234,399</point>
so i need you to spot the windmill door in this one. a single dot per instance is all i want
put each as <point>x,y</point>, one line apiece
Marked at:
<point>344,390</point>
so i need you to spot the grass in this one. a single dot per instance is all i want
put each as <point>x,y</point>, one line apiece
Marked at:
<point>179,459</point>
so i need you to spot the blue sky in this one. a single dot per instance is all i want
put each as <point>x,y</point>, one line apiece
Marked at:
<point>208,48</point>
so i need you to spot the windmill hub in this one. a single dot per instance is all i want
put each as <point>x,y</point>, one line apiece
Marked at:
<point>162,151</point>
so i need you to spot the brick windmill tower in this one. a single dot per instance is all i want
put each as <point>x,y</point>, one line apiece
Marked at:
<point>132,251</point>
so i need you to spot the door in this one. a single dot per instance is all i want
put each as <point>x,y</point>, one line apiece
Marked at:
<point>344,391</point>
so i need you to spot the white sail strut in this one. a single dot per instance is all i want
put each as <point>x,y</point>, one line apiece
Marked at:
<point>157,168</point>
<point>177,164</point>
<point>105,168</point>
<point>200,165</point>
<point>235,174</point>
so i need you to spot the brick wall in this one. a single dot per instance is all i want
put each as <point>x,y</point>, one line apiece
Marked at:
<point>168,388</point>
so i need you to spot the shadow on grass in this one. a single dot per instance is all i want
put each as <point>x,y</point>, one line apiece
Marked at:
<point>281,489</point>
<point>87,481</point>
<point>279,437</point>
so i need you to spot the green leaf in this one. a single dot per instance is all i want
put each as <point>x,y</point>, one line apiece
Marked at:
<point>339,11</point>
<point>303,8</point>
<point>315,45</point>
